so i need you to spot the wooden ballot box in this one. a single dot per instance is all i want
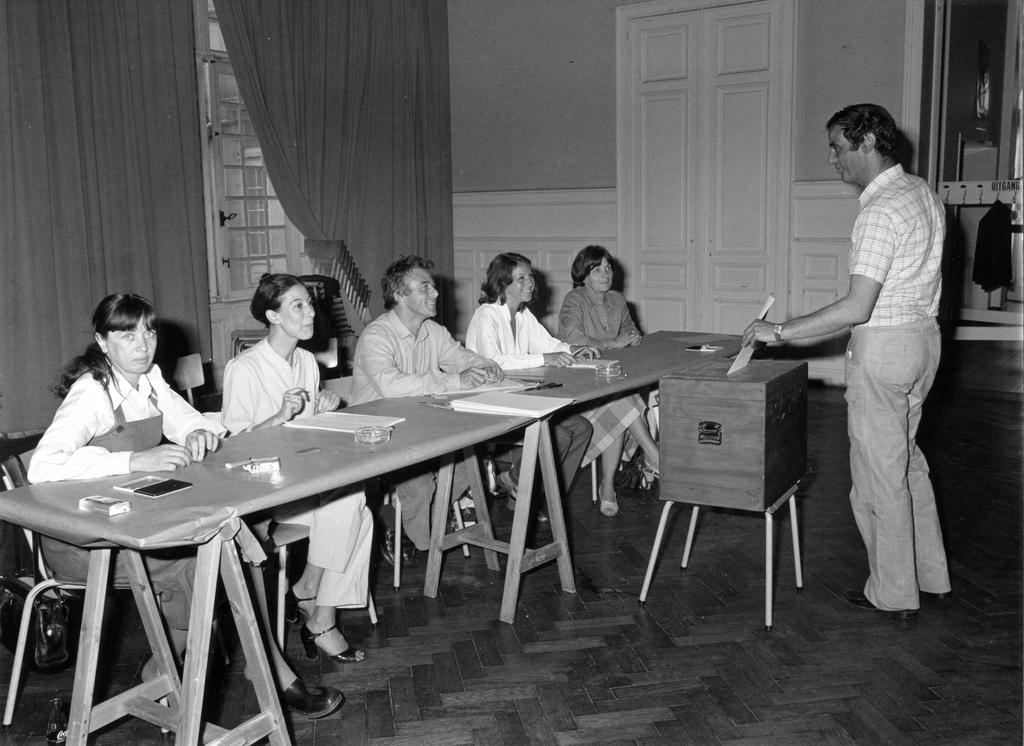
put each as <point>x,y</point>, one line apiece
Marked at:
<point>736,441</point>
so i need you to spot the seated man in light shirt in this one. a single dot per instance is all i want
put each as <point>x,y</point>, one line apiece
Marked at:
<point>404,353</point>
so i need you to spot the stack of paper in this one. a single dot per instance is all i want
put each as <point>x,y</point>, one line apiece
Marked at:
<point>598,363</point>
<point>521,405</point>
<point>506,384</point>
<point>342,422</point>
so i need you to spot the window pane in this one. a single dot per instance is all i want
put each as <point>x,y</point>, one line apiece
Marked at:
<point>256,212</point>
<point>229,121</point>
<point>275,213</point>
<point>279,264</point>
<point>278,240</point>
<point>236,244</point>
<point>258,244</point>
<point>231,150</point>
<point>247,127</point>
<point>233,182</point>
<point>238,275</point>
<point>253,154</point>
<point>255,181</point>
<point>257,270</point>
<point>237,207</point>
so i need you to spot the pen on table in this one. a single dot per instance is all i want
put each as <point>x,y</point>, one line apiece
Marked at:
<point>438,405</point>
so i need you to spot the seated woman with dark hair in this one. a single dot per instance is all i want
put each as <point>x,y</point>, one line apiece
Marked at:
<point>504,330</point>
<point>116,411</point>
<point>594,314</point>
<point>269,384</point>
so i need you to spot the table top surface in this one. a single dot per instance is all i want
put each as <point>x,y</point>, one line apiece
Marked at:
<point>219,494</point>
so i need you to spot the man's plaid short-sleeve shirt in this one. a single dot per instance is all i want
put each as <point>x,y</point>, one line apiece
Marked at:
<point>897,242</point>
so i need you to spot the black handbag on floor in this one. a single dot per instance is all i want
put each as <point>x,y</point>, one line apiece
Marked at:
<point>56,616</point>
<point>53,626</point>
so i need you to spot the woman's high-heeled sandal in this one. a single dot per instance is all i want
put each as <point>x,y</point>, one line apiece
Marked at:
<point>348,655</point>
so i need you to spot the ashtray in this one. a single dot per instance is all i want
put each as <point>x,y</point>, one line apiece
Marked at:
<point>372,435</point>
<point>611,369</point>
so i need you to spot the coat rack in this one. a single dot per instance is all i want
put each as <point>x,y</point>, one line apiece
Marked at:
<point>981,193</point>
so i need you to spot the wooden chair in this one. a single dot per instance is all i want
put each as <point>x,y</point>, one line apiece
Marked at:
<point>13,473</point>
<point>188,375</point>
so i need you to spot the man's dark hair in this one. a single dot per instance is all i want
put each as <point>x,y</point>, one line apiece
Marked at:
<point>393,281</point>
<point>859,119</point>
<point>499,276</point>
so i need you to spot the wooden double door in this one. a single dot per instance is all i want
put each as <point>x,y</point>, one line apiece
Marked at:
<point>704,160</point>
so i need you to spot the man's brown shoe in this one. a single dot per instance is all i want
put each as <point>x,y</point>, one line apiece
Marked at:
<point>859,600</point>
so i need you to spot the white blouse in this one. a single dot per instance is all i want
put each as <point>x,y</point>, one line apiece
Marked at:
<point>86,412</point>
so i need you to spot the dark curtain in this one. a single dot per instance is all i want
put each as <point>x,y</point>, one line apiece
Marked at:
<point>350,103</point>
<point>101,186</point>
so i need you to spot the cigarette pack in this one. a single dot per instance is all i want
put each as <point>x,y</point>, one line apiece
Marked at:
<point>109,506</point>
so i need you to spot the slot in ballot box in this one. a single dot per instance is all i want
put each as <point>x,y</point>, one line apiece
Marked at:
<point>736,441</point>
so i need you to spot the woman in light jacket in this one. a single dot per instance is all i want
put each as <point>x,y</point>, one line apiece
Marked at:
<point>594,314</point>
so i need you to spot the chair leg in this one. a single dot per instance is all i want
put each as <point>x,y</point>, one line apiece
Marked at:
<point>396,502</point>
<point>282,591</point>
<point>769,535</point>
<point>654,550</point>
<point>593,481</point>
<point>460,524</point>
<point>689,538</point>
<point>371,608</point>
<point>797,562</point>
<point>19,652</point>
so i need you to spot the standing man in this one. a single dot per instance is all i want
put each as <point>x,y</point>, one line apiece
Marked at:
<point>404,353</point>
<point>891,360</point>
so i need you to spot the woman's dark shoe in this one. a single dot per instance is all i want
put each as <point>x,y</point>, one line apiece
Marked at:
<point>311,701</point>
<point>348,655</point>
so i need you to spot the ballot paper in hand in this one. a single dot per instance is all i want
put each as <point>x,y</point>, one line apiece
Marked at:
<point>748,350</point>
<point>519,405</point>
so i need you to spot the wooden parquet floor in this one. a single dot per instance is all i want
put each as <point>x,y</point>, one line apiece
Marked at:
<point>694,665</point>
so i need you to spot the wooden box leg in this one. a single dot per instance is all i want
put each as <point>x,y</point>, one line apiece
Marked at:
<point>797,561</point>
<point>654,550</point>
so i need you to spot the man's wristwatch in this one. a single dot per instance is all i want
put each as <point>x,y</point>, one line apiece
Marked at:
<point>777,331</point>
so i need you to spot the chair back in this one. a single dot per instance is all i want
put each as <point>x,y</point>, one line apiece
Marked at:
<point>12,470</point>
<point>188,374</point>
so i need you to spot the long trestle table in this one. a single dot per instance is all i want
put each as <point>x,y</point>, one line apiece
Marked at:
<point>208,516</point>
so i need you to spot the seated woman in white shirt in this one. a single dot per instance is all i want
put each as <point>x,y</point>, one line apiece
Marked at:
<point>504,330</point>
<point>116,411</point>
<point>267,385</point>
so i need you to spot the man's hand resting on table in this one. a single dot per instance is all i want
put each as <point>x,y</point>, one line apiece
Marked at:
<point>478,375</point>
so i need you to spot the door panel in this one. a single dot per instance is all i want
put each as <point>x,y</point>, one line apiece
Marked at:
<point>703,172</point>
<point>665,213</point>
<point>741,62</point>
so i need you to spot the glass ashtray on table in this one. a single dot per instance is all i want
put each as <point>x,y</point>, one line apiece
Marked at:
<point>372,435</point>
